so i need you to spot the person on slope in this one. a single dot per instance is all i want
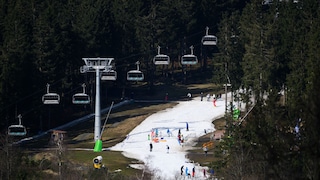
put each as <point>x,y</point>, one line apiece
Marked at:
<point>205,149</point>
<point>151,146</point>
<point>193,171</point>
<point>189,96</point>
<point>214,102</point>
<point>181,169</point>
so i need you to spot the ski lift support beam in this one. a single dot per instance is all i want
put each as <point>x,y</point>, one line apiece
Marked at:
<point>96,65</point>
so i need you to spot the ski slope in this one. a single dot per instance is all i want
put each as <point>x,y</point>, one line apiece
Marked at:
<point>164,164</point>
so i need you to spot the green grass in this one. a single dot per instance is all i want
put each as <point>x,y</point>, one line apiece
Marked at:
<point>113,160</point>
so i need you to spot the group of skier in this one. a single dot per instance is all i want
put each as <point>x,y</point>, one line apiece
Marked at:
<point>155,135</point>
<point>185,170</point>
<point>157,140</point>
<point>151,147</point>
<point>218,96</point>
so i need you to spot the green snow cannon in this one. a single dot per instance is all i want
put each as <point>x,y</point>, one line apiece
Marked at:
<point>236,114</point>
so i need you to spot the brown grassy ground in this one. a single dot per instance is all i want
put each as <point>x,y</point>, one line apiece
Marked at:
<point>197,153</point>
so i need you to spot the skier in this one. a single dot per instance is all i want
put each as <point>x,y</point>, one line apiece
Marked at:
<point>211,171</point>
<point>187,126</point>
<point>189,96</point>
<point>152,134</point>
<point>214,102</point>
<point>201,96</point>
<point>193,171</point>
<point>205,149</point>
<point>208,97</point>
<point>151,146</point>
<point>187,171</point>
<point>168,149</point>
<point>181,139</point>
<point>182,169</point>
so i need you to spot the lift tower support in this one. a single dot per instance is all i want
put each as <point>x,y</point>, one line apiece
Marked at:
<point>96,65</point>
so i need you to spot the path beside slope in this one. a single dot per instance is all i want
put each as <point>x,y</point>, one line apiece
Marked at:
<point>166,166</point>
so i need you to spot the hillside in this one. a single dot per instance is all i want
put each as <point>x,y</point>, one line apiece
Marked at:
<point>120,123</point>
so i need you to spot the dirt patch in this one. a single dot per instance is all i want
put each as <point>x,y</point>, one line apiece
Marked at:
<point>83,137</point>
<point>115,134</point>
<point>212,139</point>
<point>219,124</point>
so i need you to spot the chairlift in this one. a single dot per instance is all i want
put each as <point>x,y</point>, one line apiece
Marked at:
<point>109,75</point>
<point>135,75</point>
<point>50,98</point>
<point>209,40</point>
<point>161,59</point>
<point>189,59</point>
<point>267,2</point>
<point>81,98</point>
<point>18,129</point>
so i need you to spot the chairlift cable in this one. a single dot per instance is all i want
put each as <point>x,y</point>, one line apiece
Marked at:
<point>150,51</point>
<point>53,83</point>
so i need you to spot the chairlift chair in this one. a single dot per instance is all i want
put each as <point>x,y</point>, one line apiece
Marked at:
<point>209,40</point>
<point>135,75</point>
<point>161,59</point>
<point>50,98</point>
<point>81,98</point>
<point>189,59</point>
<point>109,75</point>
<point>17,129</point>
<point>267,2</point>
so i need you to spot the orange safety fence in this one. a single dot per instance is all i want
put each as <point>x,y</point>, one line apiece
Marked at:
<point>208,144</point>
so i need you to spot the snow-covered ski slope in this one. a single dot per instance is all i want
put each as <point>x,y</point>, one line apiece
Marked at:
<point>165,165</point>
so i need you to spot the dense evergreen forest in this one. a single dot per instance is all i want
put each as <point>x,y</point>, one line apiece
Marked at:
<point>269,48</point>
<point>43,42</point>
